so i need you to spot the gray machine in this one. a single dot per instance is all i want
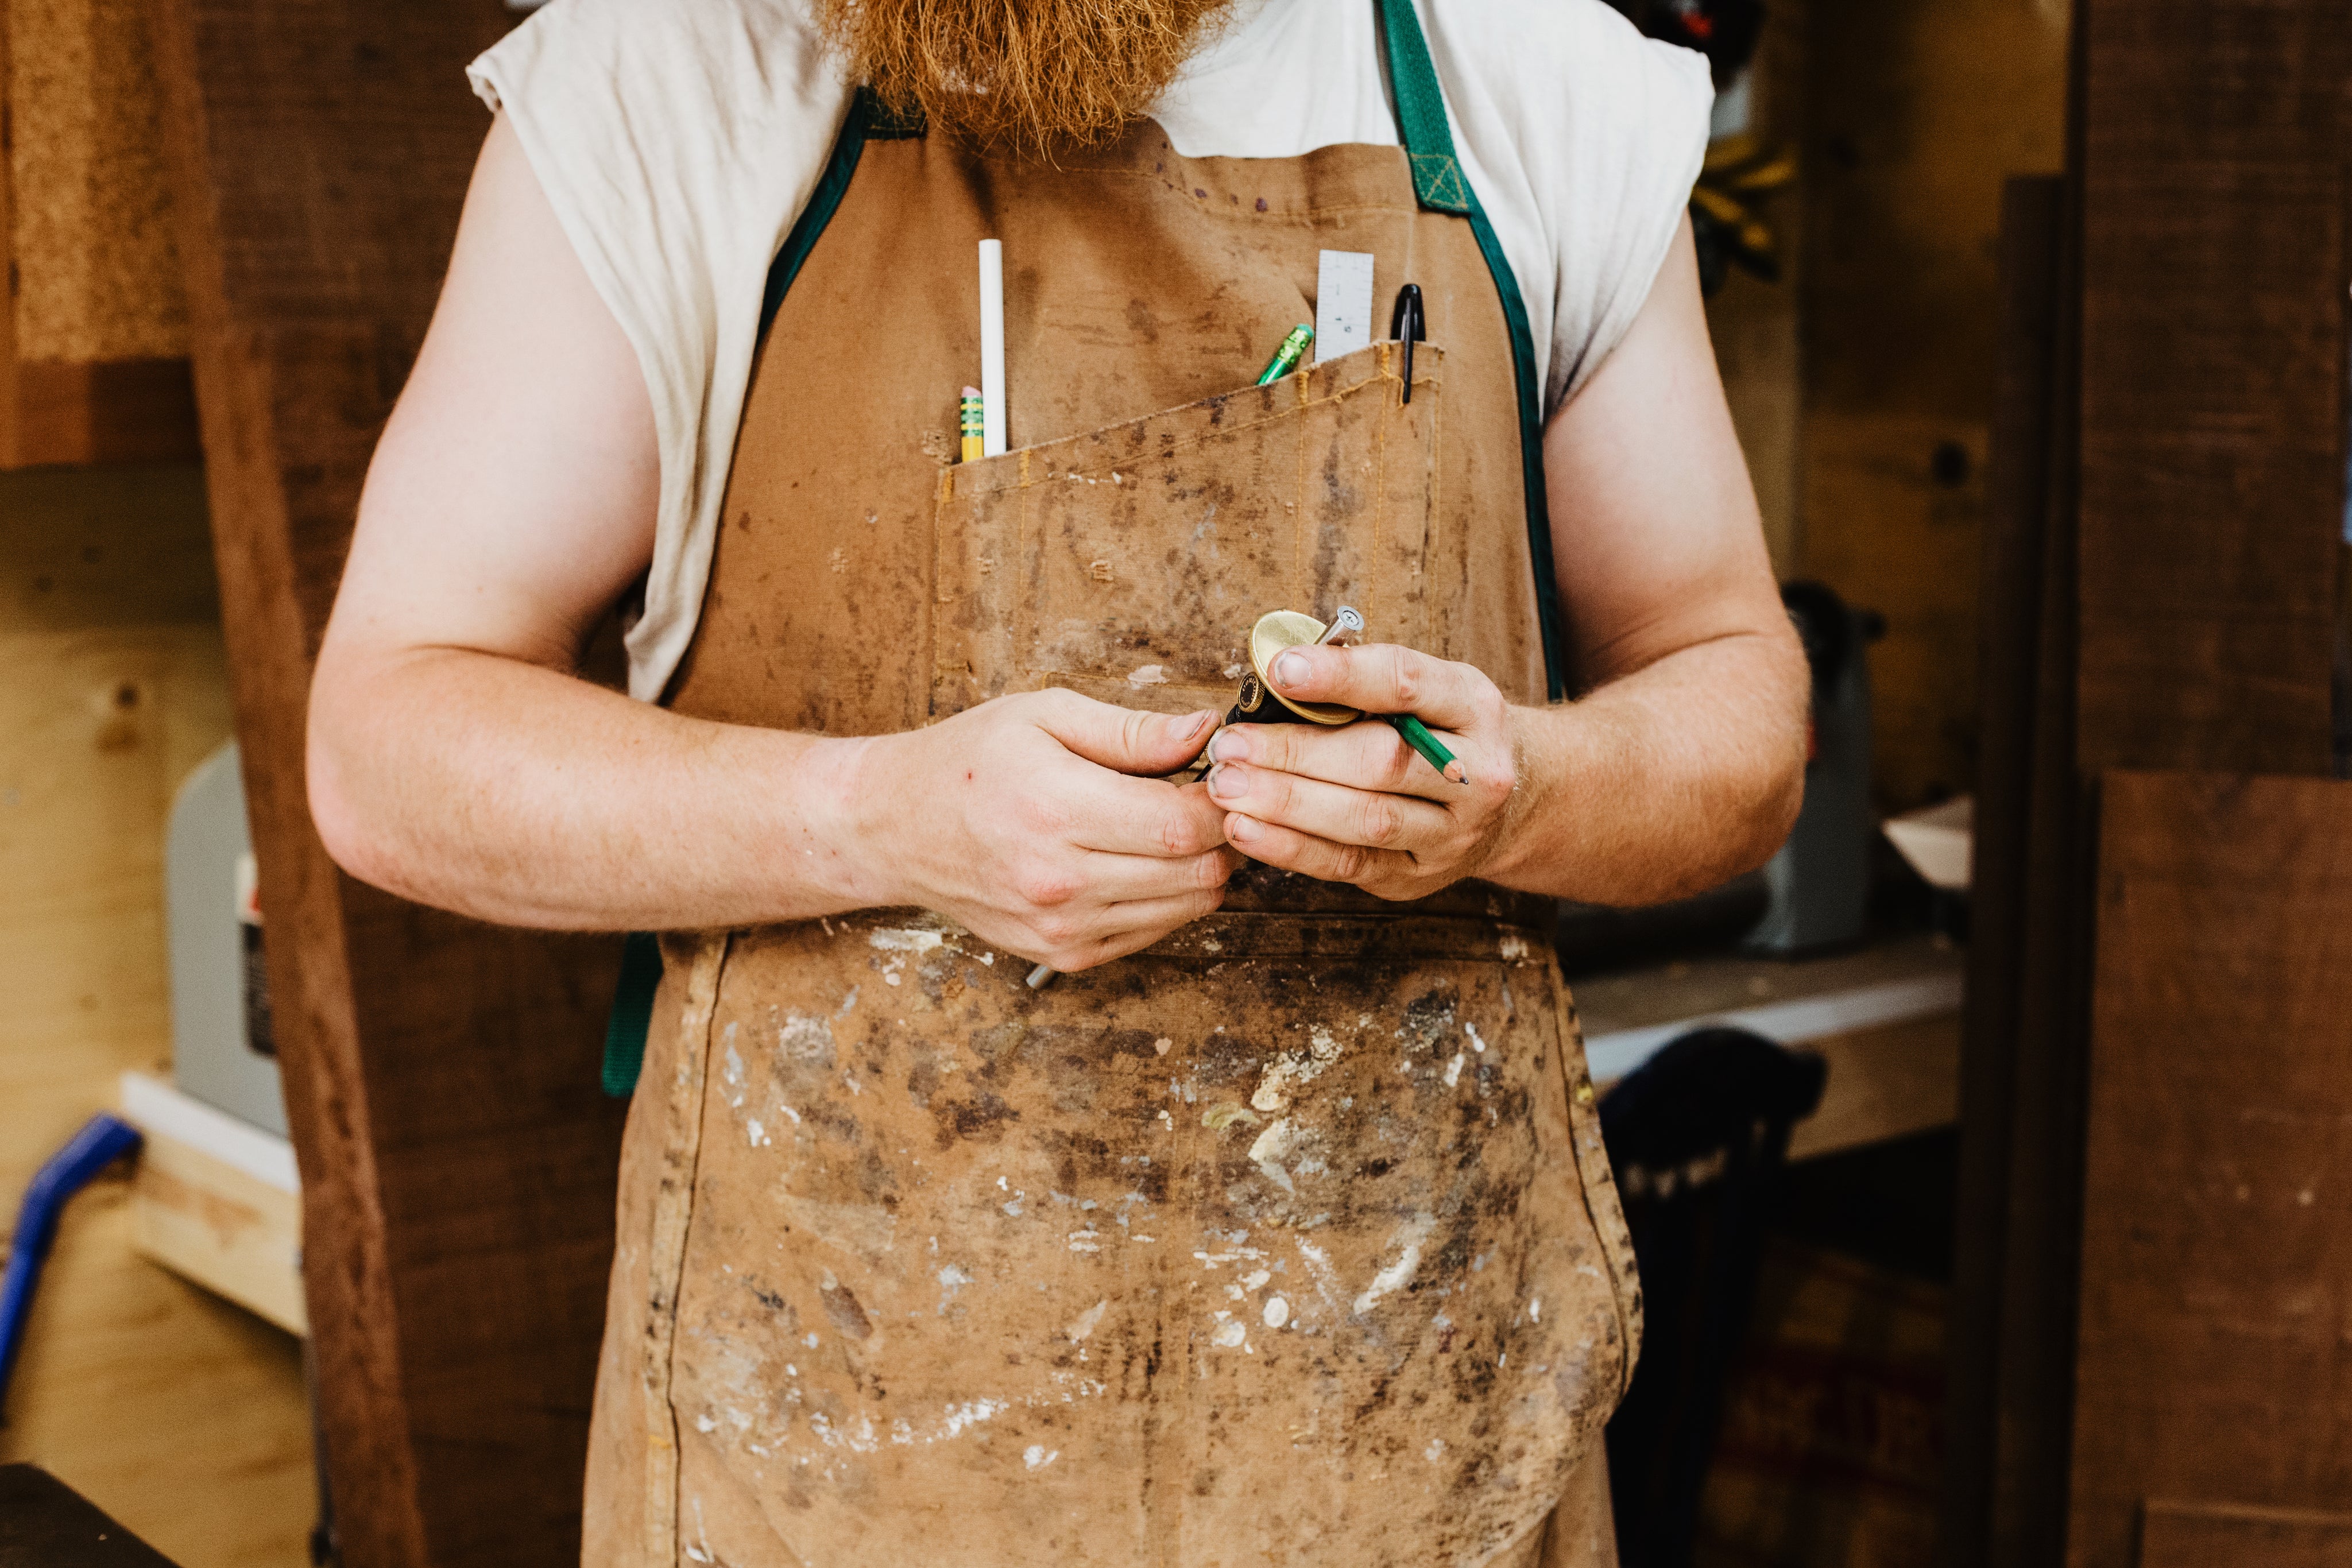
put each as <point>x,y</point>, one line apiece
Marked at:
<point>222,1051</point>
<point>1819,884</point>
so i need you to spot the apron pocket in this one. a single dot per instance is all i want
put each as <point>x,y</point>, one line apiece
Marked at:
<point>1131,562</point>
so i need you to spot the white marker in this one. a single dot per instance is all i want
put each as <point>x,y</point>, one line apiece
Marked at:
<point>992,347</point>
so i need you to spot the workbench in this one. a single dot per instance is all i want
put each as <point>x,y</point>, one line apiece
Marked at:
<point>1886,1017</point>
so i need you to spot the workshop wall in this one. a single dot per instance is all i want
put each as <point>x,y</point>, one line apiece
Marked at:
<point>181,1415</point>
<point>1914,114</point>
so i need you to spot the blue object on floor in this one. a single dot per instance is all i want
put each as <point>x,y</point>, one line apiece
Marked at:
<point>103,1140</point>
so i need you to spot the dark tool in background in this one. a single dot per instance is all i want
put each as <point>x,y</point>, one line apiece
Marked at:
<point>1697,1138</point>
<point>1819,884</point>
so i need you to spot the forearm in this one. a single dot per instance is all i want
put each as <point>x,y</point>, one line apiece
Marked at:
<point>523,796</point>
<point>1661,784</point>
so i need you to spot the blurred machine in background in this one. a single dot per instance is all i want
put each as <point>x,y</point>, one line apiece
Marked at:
<point>222,1052</point>
<point>1818,886</point>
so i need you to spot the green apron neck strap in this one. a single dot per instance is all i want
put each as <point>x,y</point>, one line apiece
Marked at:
<point>1439,185</point>
<point>869,120</point>
<point>1421,113</point>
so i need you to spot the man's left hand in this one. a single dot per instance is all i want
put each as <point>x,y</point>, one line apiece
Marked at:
<point>1355,803</point>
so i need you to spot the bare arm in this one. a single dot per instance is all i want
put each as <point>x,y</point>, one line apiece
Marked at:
<point>457,758</point>
<point>1683,763</point>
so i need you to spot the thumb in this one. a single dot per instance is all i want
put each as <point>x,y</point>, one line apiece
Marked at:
<point>1124,739</point>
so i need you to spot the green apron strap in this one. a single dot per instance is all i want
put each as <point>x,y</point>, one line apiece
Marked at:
<point>633,1013</point>
<point>641,966</point>
<point>868,122</point>
<point>1438,182</point>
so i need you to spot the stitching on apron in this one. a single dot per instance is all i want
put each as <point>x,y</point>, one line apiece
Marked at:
<point>1296,588</point>
<point>666,1264</point>
<point>1584,1124</point>
<point>1203,426</point>
<point>1024,480</point>
<point>1112,172</point>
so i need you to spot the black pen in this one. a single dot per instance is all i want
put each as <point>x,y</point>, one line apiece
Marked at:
<point>1407,326</point>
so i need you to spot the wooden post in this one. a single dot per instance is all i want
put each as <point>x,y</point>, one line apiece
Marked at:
<point>2188,612</point>
<point>457,1160</point>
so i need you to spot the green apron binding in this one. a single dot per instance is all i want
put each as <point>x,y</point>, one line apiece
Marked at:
<point>1437,184</point>
<point>641,968</point>
<point>632,1017</point>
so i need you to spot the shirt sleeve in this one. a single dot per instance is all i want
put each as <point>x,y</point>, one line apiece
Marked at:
<point>677,144</point>
<point>1642,152</point>
<point>1583,139</point>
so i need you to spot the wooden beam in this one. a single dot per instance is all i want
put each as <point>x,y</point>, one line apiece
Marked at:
<point>111,411</point>
<point>2216,1265</point>
<point>2014,1270</point>
<point>457,1161</point>
<point>93,367</point>
<point>2196,1535</point>
<point>2213,405</point>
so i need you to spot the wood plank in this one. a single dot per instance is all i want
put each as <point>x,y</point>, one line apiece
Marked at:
<point>113,411</point>
<point>457,1160</point>
<point>208,1221</point>
<point>2010,1383</point>
<point>117,686</point>
<point>1887,1080</point>
<point>2217,1271</point>
<point>184,1415</point>
<point>93,328</point>
<point>2197,1535</point>
<point>2213,404</point>
<point>1886,1083</point>
<point>1689,989</point>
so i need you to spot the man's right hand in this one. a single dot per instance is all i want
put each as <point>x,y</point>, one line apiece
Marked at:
<point>1035,822</point>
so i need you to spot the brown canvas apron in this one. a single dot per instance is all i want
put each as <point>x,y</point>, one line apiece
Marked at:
<point>1288,1240</point>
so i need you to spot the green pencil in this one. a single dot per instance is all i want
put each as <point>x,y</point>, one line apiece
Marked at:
<point>1433,751</point>
<point>1286,358</point>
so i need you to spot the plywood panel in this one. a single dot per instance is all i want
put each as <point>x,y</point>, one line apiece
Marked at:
<point>91,237</point>
<point>183,1415</point>
<point>2213,381</point>
<point>457,1159</point>
<point>2217,1268</point>
<point>208,1221</point>
<point>180,1413</point>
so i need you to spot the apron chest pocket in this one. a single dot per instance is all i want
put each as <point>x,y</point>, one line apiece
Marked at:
<point>1128,563</point>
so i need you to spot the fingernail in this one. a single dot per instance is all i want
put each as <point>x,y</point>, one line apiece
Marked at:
<point>1241,830</point>
<point>1199,721</point>
<point>1224,784</point>
<point>1230,746</point>
<point>1290,669</point>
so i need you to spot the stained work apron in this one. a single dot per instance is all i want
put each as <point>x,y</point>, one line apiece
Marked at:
<point>1288,1240</point>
